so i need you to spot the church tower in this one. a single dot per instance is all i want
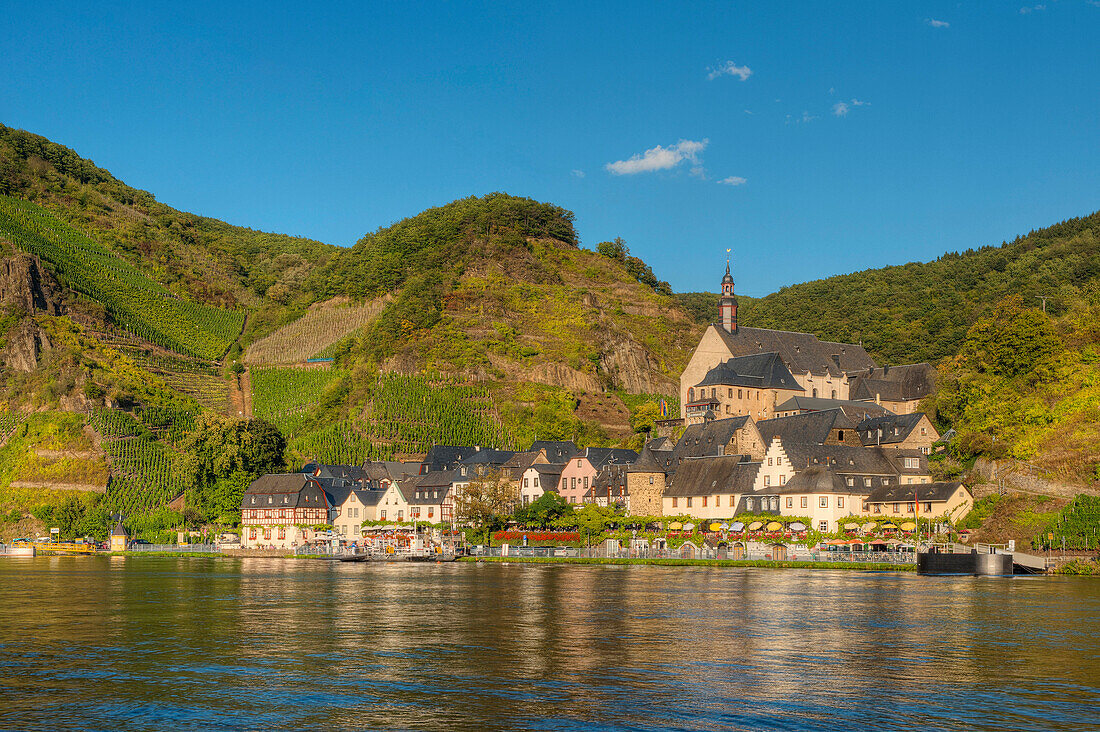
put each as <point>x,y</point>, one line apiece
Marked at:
<point>727,303</point>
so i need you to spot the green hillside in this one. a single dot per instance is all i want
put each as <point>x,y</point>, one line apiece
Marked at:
<point>134,302</point>
<point>922,311</point>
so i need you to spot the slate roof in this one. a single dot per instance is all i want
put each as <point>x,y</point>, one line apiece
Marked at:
<point>444,457</point>
<point>757,371</point>
<point>701,440</point>
<point>895,428</point>
<point>436,479</point>
<point>600,456</point>
<point>893,383</point>
<point>646,463</point>
<point>427,493</point>
<point>821,480</point>
<point>556,452</point>
<point>288,490</point>
<point>488,456</point>
<point>912,492</point>
<point>853,410</point>
<point>713,475</point>
<point>801,352</point>
<point>661,443</point>
<point>610,476</point>
<point>398,471</point>
<point>842,459</point>
<point>519,462</point>
<point>810,428</point>
<point>549,475</point>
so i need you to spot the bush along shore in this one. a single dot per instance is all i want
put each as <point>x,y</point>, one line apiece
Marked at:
<point>673,562</point>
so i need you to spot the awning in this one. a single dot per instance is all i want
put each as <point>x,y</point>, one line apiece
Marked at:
<point>737,526</point>
<point>878,542</point>
<point>689,527</point>
<point>869,526</point>
<point>888,527</point>
<point>908,526</point>
<point>723,526</point>
<point>774,526</point>
<point>855,542</point>
<point>675,526</point>
<point>716,527</point>
<point>797,526</point>
<point>755,525</point>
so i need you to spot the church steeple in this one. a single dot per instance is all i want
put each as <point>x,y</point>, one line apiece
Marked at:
<point>727,303</point>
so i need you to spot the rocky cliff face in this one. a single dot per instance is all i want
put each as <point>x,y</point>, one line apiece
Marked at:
<point>25,285</point>
<point>27,288</point>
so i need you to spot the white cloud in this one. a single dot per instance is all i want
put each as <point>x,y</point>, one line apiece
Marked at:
<point>857,103</point>
<point>807,117</point>
<point>733,180</point>
<point>578,173</point>
<point>749,111</point>
<point>1034,8</point>
<point>660,158</point>
<point>729,69</point>
<point>699,171</point>
<point>840,109</point>
<point>937,23</point>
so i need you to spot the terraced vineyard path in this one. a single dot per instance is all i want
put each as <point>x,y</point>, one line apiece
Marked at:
<point>241,395</point>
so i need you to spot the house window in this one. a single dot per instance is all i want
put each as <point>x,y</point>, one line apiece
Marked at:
<point>769,462</point>
<point>767,480</point>
<point>815,393</point>
<point>790,502</point>
<point>689,502</point>
<point>823,501</point>
<point>895,508</point>
<point>691,395</point>
<point>878,508</point>
<point>253,530</point>
<point>912,462</point>
<point>739,396</point>
<point>674,501</point>
<point>851,481</point>
<point>431,511</point>
<point>704,501</point>
<point>651,480</point>
<point>400,515</point>
<point>834,393</point>
<point>779,460</point>
<point>732,502</point>
<point>909,508</point>
<point>805,501</point>
<point>573,483</point>
<point>730,395</point>
<point>840,501</point>
<point>866,482</point>
<point>382,514</point>
<point>586,482</point>
<point>923,431</point>
<point>783,479</point>
<point>267,534</point>
<point>536,481</point>
<point>927,507</point>
<point>823,526</point>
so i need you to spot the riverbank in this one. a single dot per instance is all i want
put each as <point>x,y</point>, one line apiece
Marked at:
<point>770,564</point>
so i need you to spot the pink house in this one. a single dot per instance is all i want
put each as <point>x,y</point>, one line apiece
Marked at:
<point>580,472</point>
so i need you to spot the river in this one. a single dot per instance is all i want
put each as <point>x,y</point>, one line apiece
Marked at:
<point>149,643</point>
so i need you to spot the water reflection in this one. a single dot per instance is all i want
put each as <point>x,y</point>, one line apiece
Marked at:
<point>149,643</point>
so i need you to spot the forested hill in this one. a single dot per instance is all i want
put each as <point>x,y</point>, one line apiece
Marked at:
<point>922,311</point>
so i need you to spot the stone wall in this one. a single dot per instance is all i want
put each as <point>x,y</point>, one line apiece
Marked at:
<point>1024,478</point>
<point>645,499</point>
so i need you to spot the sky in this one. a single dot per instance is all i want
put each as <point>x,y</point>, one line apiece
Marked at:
<point>812,139</point>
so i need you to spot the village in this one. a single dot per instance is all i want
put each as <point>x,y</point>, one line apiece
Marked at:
<point>781,436</point>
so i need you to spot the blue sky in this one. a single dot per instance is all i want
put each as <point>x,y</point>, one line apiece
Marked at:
<point>811,138</point>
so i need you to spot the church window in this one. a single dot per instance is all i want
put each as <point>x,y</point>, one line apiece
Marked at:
<point>815,393</point>
<point>691,394</point>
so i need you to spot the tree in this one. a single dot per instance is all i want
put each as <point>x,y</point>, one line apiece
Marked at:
<point>486,502</point>
<point>645,418</point>
<point>545,511</point>
<point>221,448</point>
<point>613,249</point>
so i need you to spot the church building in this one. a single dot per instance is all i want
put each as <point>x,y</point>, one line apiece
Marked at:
<point>818,369</point>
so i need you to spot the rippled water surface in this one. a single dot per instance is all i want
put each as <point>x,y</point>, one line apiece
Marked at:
<point>161,643</point>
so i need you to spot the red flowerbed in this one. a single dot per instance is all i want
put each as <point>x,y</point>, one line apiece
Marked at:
<point>537,536</point>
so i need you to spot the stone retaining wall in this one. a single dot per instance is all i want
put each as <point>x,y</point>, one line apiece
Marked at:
<point>1024,478</point>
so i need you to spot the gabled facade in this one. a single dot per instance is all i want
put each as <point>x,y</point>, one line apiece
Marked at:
<point>951,501</point>
<point>822,496</point>
<point>538,479</point>
<point>828,427</point>
<point>745,385</point>
<point>905,431</point>
<point>278,510</point>
<point>578,475</point>
<point>898,388</point>
<point>713,438</point>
